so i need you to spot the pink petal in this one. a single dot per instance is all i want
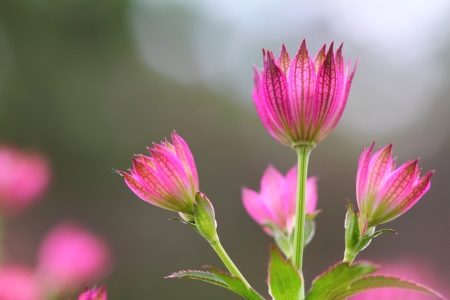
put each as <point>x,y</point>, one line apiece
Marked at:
<point>362,173</point>
<point>185,155</point>
<point>327,90</point>
<point>320,58</point>
<point>284,61</point>
<point>311,195</point>
<point>380,166</point>
<point>274,90</point>
<point>272,184</point>
<point>302,79</point>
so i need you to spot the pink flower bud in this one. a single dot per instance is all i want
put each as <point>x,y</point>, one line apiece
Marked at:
<point>276,203</point>
<point>23,178</point>
<point>384,193</point>
<point>18,283</point>
<point>70,257</point>
<point>301,100</point>
<point>94,294</point>
<point>168,178</point>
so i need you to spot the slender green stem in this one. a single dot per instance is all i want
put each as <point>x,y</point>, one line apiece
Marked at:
<point>227,261</point>
<point>303,152</point>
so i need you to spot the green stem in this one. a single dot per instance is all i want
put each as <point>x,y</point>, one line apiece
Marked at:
<point>303,152</point>
<point>227,261</point>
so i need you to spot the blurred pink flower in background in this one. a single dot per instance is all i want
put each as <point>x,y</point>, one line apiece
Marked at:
<point>302,100</point>
<point>276,203</point>
<point>168,178</point>
<point>410,270</point>
<point>18,283</point>
<point>70,257</point>
<point>23,178</point>
<point>384,193</point>
<point>94,294</point>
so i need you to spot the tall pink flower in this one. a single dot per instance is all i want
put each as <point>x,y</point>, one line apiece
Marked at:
<point>301,100</point>
<point>168,178</point>
<point>383,192</point>
<point>18,283</point>
<point>276,203</point>
<point>70,257</point>
<point>23,178</point>
<point>94,294</point>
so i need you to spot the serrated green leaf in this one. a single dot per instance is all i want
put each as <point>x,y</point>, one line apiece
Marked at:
<point>199,275</point>
<point>236,285</point>
<point>219,278</point>
<point>379,281</point>
<point>338,279</point>
<point>284,279</point>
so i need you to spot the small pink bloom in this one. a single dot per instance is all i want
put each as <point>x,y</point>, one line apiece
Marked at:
<point>70,257</point>
<point>23,178</point>
<point>406,271</point>
<point>383,192</point>
<point>18,283</point>
<point>276,203</point>
<point>94,294</point>
<point>301,100</point>
<point>168,178</point>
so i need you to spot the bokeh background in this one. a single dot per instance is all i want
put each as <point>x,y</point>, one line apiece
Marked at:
<point>90,83</point>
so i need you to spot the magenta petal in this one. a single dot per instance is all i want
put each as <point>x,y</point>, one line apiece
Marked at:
<point>275,93</point>
<point>302,80</point>
<point>320,58</point>
<point>380,165</point>
<point>185,155</point>
<point>284,61</point>
<point>311,195</point>
<point>363,169</point>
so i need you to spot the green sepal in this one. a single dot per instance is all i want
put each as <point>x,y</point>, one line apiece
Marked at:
<point>357,237</point>
<point>205,217</point>
<point>192,224</point>
<point>337,279</point>
<point>219,278</point>
<point>284,279</point>
<point>373,282</point>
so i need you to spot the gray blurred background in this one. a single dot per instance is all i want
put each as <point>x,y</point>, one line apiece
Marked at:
<point>90,83</point>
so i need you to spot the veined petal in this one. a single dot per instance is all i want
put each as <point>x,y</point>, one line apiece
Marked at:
<point>284,61</point>
<point>379,166</point>
<point>320,58</point>
<point>272,184</point>
<point>395,187</point>
<point>185,155</point>
<point>327,88</point>
<point>362,174</point>
<point>340,60</point>
<point>418,190</point>
<point>172,173</point>
<point>274,90</point>
<point>301,82</point>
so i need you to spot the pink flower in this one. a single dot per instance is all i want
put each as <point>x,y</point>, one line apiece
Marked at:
<point>301,100</point>
<point>23,178</point>
<point>168,178</point>
<point>406,271</point>
<point>94,294</point>
<point>18,283</point>
<point>276,203</point>
<point>383,192</point>
<point>70,257</point>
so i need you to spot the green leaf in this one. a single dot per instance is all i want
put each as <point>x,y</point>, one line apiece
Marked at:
<point>337,279</point>
<point>220,278</point>
<point>310,229</point>
<point>199,275</point>
<point>284,279</point>
<point>236,285</point>
<point>374,282</point>
<point>352,233</point>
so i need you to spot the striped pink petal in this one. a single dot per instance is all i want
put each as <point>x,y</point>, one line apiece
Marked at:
<point>168,178</point>
<point>383,193</point>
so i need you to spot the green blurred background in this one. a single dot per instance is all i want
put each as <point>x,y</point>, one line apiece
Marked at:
<point>90,83</point>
